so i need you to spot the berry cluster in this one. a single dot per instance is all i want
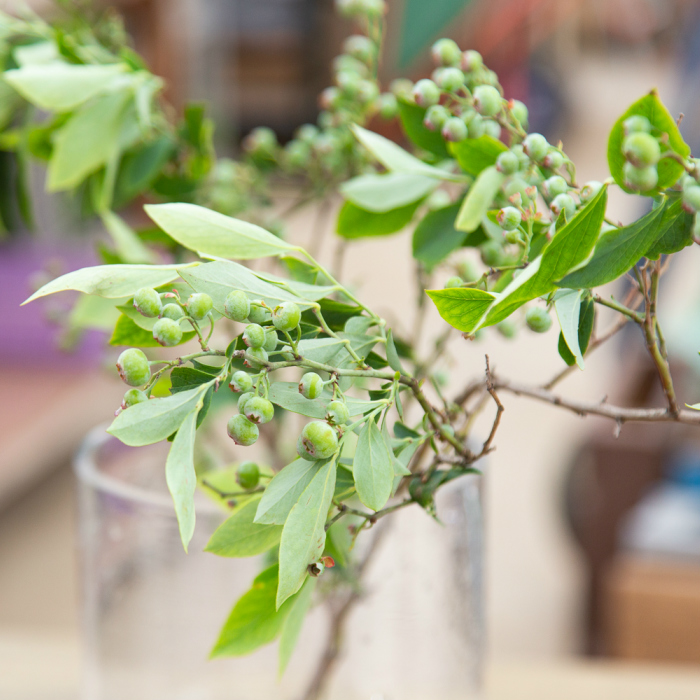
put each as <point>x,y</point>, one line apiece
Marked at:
<point>642,152</point>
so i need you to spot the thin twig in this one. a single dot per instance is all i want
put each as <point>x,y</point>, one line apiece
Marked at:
<point>486,448</point>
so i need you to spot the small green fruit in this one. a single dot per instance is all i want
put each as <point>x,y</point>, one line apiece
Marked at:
<point>468,270</point>
<point>487,100</point>
<point>563,203</point>
<point>401,87</point>
<point>492,129</point>
<point>536,147</point>
<point>454,282</point>
<point>133,367</point>
<point>259,410</point>
<point>590,190</point>
<point>426,93</point>
<point>248,475</point>
<point>641,149</point>
<point>337,413</point>
<point>471,61</point>
<point>199,305</point>
<point>237,306</point>
<point>555,185</point>
<point>439,200</point>
<point>640,179</point>
<point>435,117</point>
<point>271,340</point>
<point>167,332</point>
<point>360,47</point>
<point>317,441</point>
<point>240,382</point>
<point>509,218</point>
<point>520,112</point>
<point>491,254</point>
<point>286,316</point>
<point>255,357</point>
<point>261,141</point>
<point>132,397</point>
<point>242,431</point>
<point>172,311</point>
<point>553,160</point>
<point>445,52</point>
<point>243,399</point>
<point>477,127</point>
<point>147,302</point>
<point>311,385</point>
<point>254,335</point>
<point>451,79</point>
<point>636,123</point>
<point>387,105</point>
<point>538,320</point>
<point>507,329</point>
<point>691,199</point>
<point>454,129</point>
<point>258,313</point>
<point>508,163</point>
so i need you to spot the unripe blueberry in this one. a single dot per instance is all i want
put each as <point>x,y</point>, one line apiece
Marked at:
<point>563,203</point>
<point>147,302</point>
<point>242,431</point>
<point>401,87</point>
<point>373,8</point>
<point>468,270</point>
<point>538,319</point>
<point>445,52</point>
<point>243,400</point>
<point>521,155</point>
<point>438,200</point>
<point>520,112</point>
<point>360,47</point>
<point>451,79</point>
<point>487,100</point>
<point>286,316</point>
<point>492,128</point>
<point>426,93</point>
<point>367,91</point>
<point>477,127</point>
<point>517,186</point>
<point>641,149</point>
<point>311,385</point>
<point>237,306</point>
<point>167,332</point>
<point>317,441</point>
<point>590,190</point>
<point>172,311</point>
<point>509,218</point>
<point>132,397</point>
<point>387,106</point>
<point>306,133</point>
<point>199,305</point>
<point>437,74</point>
<point>507,329</point>
<point>133,367</point>
<point>260,141</point>
<point>536,147</point>
<point>258,313</point>
<point>514,236</point>
<point>640,179</point>
<point>255,357</point>
<point>435,117</point>
<point>337,413</point>
<point>553,160</point>
<point>555,185</point>
<point>349,83</point>
<point>491,254</point>
<point>254,335</point>
<point>454,129</point>
<point>691,198</point>
<point>471,61</point>
<point>507,163</point>
<point>259,410</point>
<point>329,98</point>
<point>636,123</point>
<point>248,475</point>
<point>454,282</point>
<point>270,340</point>
<point>241,382</point>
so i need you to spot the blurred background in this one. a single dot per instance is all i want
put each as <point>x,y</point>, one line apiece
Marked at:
<point>593,541</point>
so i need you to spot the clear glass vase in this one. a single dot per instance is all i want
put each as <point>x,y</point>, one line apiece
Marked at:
<point>412,631</point>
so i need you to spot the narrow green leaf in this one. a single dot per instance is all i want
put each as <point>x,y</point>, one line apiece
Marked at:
<point>180,475</point>
<point>94,312</point>
<point>286,395</point>
<point>304,535</point>
<point>567,304</point>
<point>382,193</point>
<point>585,330</point>
<point>354,222</point>
<point>240,536</point>
<point>209,233</point>
<point>412,117</point>
<point>392,356</point>
<point>127,243</point>
<point>479,199</point>
<point>475,155</point>
<point>373,467</point>
<point>291,628</point>
<point>462,307</point>
<point>186,378</point>
<point>436,237</point>
<point>284,490</point>
<point>126,332</point>
<point>675,230</point>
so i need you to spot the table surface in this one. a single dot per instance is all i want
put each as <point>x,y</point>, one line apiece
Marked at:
<point>47,667</point>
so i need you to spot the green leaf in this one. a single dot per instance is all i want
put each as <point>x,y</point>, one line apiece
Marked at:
<point>61,87</point>
<point>185,378</point>
<point>412,117</point>
<point>180,475</point>
<point>152,421</point>
<point>392,356</point>
<point>479,199</point>
<point>254,620</point>
<point>287,396</point>
<point>675,230</point>
<point>240,536</point>
<point>395,159</point>
<point>619,250</point>
<point>94,312</point>
<point>354,222</point>
<point>140,167</point>
<point>475,155</point>
<point>461,307</point>
<point>126,332</point>
<point>112,281</point>
<point>304,535</point>
<point>291,627</point>
<point>567,304</point>
<point>436,237</point>
<point>284,490</point>
<point>585,330</point>
<point>309,292</point>
<point>651,107</point>
<point>373,467</point>
<point>127,243</point>
<point>209,233</point>
<point>382,193</point>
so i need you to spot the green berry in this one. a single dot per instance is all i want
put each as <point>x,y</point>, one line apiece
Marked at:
<point>563,203</point>
<point>509,218</point>
<point>691,198</point>
<point>491,254</point>
<point>242,431</point>
<point>553,160</point>
<point>426,93</point>
<point>519,110</point>
<point>367,91</point>
<point>387,105</point>
<point>255,357</point>
<point>471,61</point>
<point>297,154</point>
<point>401,87</point>
<point>199,305</point>
<point>435,117</point>
<point>468,270</point>
<point>451,79</point>
<point>172,311</point>
<point>259,410</point>
<point>492,128</point>
<point>260,141</point>
<point>271,340</point>
<point>454,129</point>
<point>507,329</point>
<point>590,190</point>
<point>337,413</point>
<point>360,47</point>
<point>517,186</point>
<point>487,100</point>
<point>243,400</point>
<point>454,282</point>
<point>237,306</point>
<point>306,133</point>
<point>167,332</point>
<point>317,441</point>
<point>438,200</point>
<point>241,382</point>
<point>248,475</point>
<point>538,319</point>
<point>286,316</point>
<point>147,302</point>
<point>477,127</point>
<point>311,385</point>
<point>132,397</point>
<point>641,149</point>
<point>133,367</point>
<point>521,155</point>
<point>640,179</point>
<point>254,335</point>
<point>536,147</point>
<point>445,52</point>
<point>514,236</point>
<point>555,185</point>
<point>258,313</point>
<point>636,123</point>
<point>507,163</point>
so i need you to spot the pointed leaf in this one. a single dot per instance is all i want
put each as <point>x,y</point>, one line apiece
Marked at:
<point>373,467</point>
<point>412,117</point>
<point>567,304</point>
<point>585,330</point>
<point>475,155</point>
<point>381,193</point>
<point>392,356</point>
<point>436,237</point>
<point>128,245</point>
<point>294,622</point>
<point>461,307</point>
<point>479,199</point>
<point>354,222</point>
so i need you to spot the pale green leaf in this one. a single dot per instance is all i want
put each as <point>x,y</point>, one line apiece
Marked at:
<point>392,356</point>
<point>475,155</point>
<point>95,313</point>
<point>310,292</point>
<point>567,304</point>
<point>127,244</point>
<point>373,467</point>
<point>479,199</point>
<point>355,222</point>
<point>291,627</point>
<point>380,193</point>
<point>462,307</point>
<point>36,54</point>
